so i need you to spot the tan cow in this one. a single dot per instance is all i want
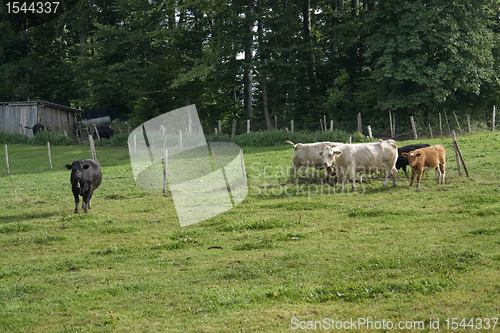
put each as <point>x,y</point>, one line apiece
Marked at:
<point>364,158</point>
<point>307,155</point>
<point>432,157</point>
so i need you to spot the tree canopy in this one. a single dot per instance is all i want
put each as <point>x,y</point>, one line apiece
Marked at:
<point>256,59</point>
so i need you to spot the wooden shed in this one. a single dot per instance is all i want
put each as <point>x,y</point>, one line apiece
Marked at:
<point>16,116</point>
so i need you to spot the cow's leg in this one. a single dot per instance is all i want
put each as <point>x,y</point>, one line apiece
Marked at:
<point>85,199</point>
<point>419,176</point>
<point>388,173</point>
<point>89,206</point>
<point>394,172</point>
<point>77,200</point>
<point>413,174</point>
<point>442,171</point>
<point>352,176</point>
<point>342,182</point>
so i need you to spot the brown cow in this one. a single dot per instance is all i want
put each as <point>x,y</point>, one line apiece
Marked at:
<point>432,157</point>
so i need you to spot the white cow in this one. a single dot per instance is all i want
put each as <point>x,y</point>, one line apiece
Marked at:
<point>364,158</point>
<point>307,155</point>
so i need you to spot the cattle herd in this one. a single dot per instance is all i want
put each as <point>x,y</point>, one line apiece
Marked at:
<point>341,161</point>
<point>345,161</point>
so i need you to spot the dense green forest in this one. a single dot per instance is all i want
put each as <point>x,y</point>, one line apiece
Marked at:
<point>257,59</point>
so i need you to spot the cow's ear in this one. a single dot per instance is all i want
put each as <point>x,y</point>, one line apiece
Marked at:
<point>321,153</point>
<point>404,154</point>
<point>68,166</point>
<point>86,166</point>
<point>337,152</point>
<point>418,154</point>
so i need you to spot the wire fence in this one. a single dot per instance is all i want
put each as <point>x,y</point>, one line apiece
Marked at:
<point>399,128</point>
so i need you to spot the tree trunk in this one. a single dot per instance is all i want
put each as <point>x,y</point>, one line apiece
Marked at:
<point>306,13</point>
<point>354,7</point>
<point>247,75</point>
<point>82,48</point>
<point>25,78</point>
<point>263,86</point>
<point>369,5</point>
<point>263,64</point>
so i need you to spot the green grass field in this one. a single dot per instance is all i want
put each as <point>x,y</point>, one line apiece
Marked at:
<point>292,255</point>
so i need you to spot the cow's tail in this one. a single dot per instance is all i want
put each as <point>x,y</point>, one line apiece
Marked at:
<point>290,142</point>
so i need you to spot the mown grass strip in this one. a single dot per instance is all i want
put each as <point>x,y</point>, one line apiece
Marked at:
<point>423,286</point>
<point>16,227</point>
<point>258,225</point>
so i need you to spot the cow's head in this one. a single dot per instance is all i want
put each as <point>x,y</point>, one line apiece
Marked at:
<point>329,155</point>
<point>77,169</point>
<point>412,157</point>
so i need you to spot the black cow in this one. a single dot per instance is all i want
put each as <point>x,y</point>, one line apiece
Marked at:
<point>86,176</point>
<point>402,162</point>
<point>104,132</point>
<point>38,127</point>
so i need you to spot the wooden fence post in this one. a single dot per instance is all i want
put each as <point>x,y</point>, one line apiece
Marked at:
<point>369,131</point>
<point>219,125</point>
<point>324,121</point>
<point>180,139</point>
<point>447,123</point>
<point>291,124</point>
<point>248,125</point>
<point>360,124</point>
<point>233,131</point>
<point>493,118</point>
<point>165,158</point>
<point>92,147</point>
<point>414,128</point>
<point>430,130</point>
<point>7,159</point>
<point>440,125</point>
<point>331,125</point>
<point>165,141</point>
<point>50,158</point>
<point>390,124</point>
<point>468,122</point>
<point>275,121</point>
<point>97,132</point>
<point>458,154</point>
<point>456,119</point>
<point>242,164</point>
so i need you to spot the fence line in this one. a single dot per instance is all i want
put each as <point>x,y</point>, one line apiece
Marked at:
<point>402,130</point>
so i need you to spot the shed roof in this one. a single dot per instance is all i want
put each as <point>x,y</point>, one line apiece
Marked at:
<point>43,103</point>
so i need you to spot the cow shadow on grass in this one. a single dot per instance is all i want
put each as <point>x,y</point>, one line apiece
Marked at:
<point>27,217</point>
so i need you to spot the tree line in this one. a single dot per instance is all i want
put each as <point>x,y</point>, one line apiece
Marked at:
<point>257,59</point>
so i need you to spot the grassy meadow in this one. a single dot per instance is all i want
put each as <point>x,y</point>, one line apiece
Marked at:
<point>294,253</point>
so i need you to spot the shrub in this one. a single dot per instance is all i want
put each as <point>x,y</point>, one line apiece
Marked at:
<point>55,138</point>
<point>10,138</point>
<point>278,137</point>
<point>116,140</point>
